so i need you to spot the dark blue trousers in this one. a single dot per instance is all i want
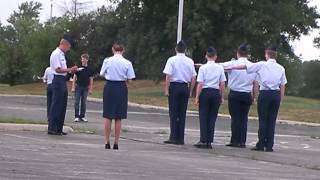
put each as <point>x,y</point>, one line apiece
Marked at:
<point>81,94</point>
<point>268,106</point>
<point>239,105</point>
<point>209,103</point>
<point>49,99</point>
<point>59,104</point>
<point>178,103</point>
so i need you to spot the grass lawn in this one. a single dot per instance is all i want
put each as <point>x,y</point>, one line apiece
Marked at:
<point>147,92</point>
<point>20,121</point>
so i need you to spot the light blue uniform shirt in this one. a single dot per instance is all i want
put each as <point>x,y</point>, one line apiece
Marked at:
<point>58,60</point>
<point>181,68</point>
<point>211,74</point>
<point>270,74</point>
<point>117,68</point>
<point>48,75</point>
<point>239,80</point>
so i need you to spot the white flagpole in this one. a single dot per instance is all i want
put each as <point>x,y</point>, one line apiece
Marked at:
<point>180,18</point>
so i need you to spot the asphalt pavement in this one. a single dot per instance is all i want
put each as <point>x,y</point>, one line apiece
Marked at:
<point>142,155</point>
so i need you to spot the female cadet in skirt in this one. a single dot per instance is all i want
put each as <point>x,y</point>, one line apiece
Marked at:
<point>117,71</point>
<point>210,91</point>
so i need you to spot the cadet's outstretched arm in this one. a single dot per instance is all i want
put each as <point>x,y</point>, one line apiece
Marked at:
<point>239,67</point>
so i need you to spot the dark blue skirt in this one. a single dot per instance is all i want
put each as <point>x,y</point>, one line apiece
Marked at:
<point>115,100</point>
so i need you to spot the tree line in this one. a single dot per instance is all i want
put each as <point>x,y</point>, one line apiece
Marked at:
<point>147,28</point>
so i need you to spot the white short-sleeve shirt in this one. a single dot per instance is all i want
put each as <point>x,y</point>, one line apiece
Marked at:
<point>211,74</point>
<point>239,80</point>
<point>181,68</point>
<point>48,75</point>
<point>58,60</point>
<point>117,68</point>
<point>270,74</point>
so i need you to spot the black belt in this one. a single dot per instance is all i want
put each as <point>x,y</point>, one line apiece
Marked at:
<point>270,90</point>
<point>178,83</point>
<point>114,81</point>
<point>232,91</point>
<point>59,76</point>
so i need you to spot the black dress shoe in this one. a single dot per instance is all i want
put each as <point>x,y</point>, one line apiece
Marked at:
<point>179,143</point>
<point>257,149</point>
<point>107,146</point>
<point>169,142</point>
<point>209,146</point>
<point>200,145</point>
<point>242,145</point>
<point>269,150</point>
<point>64,133</point>
<point>51,132</point>
<point>54,133</point>
<point>115,147</point>
<point>233,145</point>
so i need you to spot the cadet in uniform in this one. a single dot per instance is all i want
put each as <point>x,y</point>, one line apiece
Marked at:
<point>59,86</point>
<point>82,85</point>
<point>210,93</point>
<point>180,80</point>
<point>117,71</point>
<point>47,78</point>
<point>272,79</point>
<point>242,94</point>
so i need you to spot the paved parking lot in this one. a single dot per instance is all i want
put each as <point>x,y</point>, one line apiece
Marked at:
<point>142,155</point>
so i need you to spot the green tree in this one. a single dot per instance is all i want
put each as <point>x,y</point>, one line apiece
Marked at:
<point>15,42</point>
<point>311,79</point>
<point>149,29</point>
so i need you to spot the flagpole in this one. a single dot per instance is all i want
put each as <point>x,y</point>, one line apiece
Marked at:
<point>180,18</point>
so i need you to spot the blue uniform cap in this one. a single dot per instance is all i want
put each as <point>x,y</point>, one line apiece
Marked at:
<point>272,48</point>
<point>244,47</point>
<point>70,39</point>
<point>181,45</point>
<point>211,50</point>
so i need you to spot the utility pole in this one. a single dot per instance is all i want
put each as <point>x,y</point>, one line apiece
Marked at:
<point>74,7</point>
<point>51,7</point>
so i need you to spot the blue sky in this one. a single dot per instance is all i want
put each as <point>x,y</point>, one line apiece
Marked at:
<point>303,47</point>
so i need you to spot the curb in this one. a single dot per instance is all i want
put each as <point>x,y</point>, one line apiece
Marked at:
<point>144,106</point>
<point>29,127</point>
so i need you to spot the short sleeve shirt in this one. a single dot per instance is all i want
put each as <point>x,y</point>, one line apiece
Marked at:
<point>58,60</point>
<point>239,80</point>
<point>117,68</point>
<point>270,74</point>
<point>181,68</point>
<point>48,75</point>
<point>211,74</point>
<point>83,76</point>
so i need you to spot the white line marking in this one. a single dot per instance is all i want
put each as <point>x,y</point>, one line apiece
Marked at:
<point>306,146</point>
<point>148,128</point>
<point>23,137</point>
<point>89,111</point>
<point>216,131</point>
<point>62,143</point>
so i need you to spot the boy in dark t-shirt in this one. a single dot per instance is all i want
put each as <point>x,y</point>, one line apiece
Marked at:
<point>82,85</point>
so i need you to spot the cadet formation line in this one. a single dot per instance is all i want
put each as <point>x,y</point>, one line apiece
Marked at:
<point>244,80</point>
